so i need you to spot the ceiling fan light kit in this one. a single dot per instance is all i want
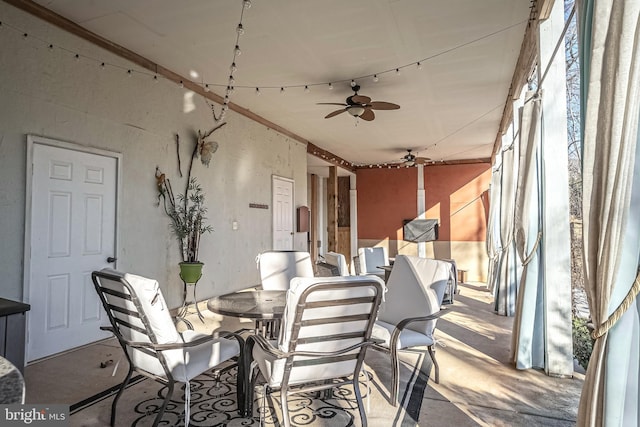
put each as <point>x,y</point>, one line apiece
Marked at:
<point>360,106</point>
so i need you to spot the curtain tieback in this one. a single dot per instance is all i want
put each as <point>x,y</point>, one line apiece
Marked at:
<point>529,257</point>
<point>617,314</point>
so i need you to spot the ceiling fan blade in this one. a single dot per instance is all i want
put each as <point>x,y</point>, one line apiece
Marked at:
<point>360,99</point>
<point>380,105</point>
<point>368,115</point>
<point>422,160</point>
<point>331,103</point>
<point>335,113</point>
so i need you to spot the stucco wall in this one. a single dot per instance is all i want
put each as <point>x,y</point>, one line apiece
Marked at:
<point>453,195</point>
<point>48,93</point>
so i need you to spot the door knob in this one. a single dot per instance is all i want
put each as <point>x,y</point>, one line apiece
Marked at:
<point>111,259</point>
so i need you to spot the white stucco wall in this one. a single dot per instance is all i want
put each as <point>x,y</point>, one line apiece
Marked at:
<point>49,93</point>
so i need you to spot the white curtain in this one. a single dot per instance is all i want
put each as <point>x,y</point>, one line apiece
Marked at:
<point>528,326</point>
<point>493,223</point>
<point>610,54</point>
<point>505,288</point>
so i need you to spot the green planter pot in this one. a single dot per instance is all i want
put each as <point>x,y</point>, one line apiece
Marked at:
<point>190,272</point>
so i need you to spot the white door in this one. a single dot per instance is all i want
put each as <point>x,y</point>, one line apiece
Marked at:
<point>72,233</point>
<point>282,213</point>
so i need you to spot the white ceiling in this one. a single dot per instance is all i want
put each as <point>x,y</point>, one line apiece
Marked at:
<point>450,108</point>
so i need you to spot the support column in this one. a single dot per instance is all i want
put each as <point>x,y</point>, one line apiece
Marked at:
<point>353,199</point>
<point>332,208</point>
<point>422,209</point>
<point>555,244</point>
<point>315,209</point>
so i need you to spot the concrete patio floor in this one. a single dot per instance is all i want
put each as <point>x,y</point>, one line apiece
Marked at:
<point>478,385</point>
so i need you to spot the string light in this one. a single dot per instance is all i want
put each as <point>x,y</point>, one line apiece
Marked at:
<point>281,91</point>
<point>237,52</point>
<point>306,89</point>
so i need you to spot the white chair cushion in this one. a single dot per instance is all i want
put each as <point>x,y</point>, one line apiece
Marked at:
<point>416,288</point>
<point>408,337</point>
<point>371,259</point>
<point>339,261</point>
<point>273,369</point>
<point>277,268</point>
<point>190,362</point>
<point>186,363</point>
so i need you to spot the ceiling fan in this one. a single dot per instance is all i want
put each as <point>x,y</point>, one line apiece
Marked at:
<point>411,159</point>
<point>360,106</point>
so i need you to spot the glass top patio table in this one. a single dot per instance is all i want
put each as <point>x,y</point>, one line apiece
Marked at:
<point>257,305</point>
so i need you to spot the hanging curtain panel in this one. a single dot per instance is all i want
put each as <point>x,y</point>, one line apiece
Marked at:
<point>610,67</point>
<point>505,288</point>
<point>528,349</point>
<point>493,224</point>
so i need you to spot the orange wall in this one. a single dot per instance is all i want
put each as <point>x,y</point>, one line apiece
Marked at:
<point>453,195</point>
<point>385,198</point>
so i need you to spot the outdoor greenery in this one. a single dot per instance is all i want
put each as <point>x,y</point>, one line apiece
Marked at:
<point>582,341</point>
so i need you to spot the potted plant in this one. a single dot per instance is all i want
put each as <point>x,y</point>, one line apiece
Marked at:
<point>188,222</point>
<point>187,211</point>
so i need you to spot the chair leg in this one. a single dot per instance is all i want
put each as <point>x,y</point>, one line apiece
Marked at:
<point>432,353</point>
<point>356,390</point>
<point>395,376</point>
<point>285,407</point>
<point>115,401</point>
<point>164,405</point>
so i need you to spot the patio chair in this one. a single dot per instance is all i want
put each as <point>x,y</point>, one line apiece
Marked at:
<point>372,258</point>
<point>141,322</point>
<point>325,332</point>
<point>277,268</point>
<point>339,261</point>
<point>407,318</point>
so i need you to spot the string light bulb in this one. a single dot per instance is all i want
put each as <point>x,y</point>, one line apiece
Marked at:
<point>237,50</point>
<point>282,91</point>
<point>397,71</point>
<point>330,86</point>
<point>258,91</point>
<point>233,67</point>
<point>240,29</point>
<point>419,66</point>
<point>155,78</point>
<point>375,78</point>
<point>247,4</point>
<point>306,89</point>
<point>181,84</point>
<point>232,81</point>
<point>353,83</point>
<point>129,73</point>
<point>206,88</point>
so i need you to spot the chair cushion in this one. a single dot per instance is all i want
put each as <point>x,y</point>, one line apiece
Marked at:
<point>371,259</point>
<point>272,369</point>
<point>408,337</point>
<point>300,284</point>
<point>416,287</point>
<point>154,307</point>
<point>339,261</point>
<point>190,362</point>
<point>277,268</point>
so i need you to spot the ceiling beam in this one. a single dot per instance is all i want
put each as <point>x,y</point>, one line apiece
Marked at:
<point>67,25</point>
<point>329,157</point>
<point>525,65</point>
<point>487,160</point>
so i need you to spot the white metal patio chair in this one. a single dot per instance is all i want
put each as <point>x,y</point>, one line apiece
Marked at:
<point>141,322</point>
<point>325,332</point>
<point>407,317</point>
